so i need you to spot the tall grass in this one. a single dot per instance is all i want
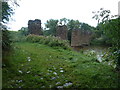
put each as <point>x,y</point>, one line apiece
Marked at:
<point>35,65</point>
<point>49,40</point>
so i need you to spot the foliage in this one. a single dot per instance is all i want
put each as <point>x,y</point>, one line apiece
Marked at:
<point>85,26</point>
<point>63,21</point>
<point>6,12</point>
<point>6,41</point>
<point>51,25</point>
<point>35,65</point>
<point>46,32</point>
<point>110,28</point>
<point>100,37</point>
<point>48,40</point>
<point>24,31</point>
<point>73,24</point>
<point>102,15</point>
<point>100,40</point>
<point>17,36</point>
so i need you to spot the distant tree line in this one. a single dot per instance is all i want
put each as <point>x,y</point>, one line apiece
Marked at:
<point>51,26</point>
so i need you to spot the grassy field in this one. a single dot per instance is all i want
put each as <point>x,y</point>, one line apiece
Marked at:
<point>33,65</point>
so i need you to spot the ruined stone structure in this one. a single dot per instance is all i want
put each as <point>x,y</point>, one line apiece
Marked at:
<point>62,32</point>
<point>80,38</point>
<point>34,27</point>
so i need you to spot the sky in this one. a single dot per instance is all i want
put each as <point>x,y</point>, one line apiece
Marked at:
<point>56,9</point>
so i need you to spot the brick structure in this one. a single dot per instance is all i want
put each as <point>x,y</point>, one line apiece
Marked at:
<point>62,32</point>
<point>34,27</point>
<point>80,37</point>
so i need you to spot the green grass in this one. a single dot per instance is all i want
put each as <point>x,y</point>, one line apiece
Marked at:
<point>50,68</point>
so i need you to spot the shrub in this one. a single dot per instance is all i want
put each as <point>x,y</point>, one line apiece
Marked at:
<point>103,40</point>
<point>16,36</point>
<point>49,40</point>
<point>6,43</point>
<point>6,47</point>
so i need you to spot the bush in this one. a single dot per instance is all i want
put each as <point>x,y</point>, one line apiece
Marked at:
<point>6,40</point>
<point>6,47</point>
<point>103,40</point>
<point>16,36</point>
<point>48,40</point>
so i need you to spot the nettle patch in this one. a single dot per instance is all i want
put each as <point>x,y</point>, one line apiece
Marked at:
<point>49,40</point>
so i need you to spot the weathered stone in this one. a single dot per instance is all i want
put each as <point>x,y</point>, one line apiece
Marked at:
<point>80,37</point>
<point>61,32</point>
<point>34,27</point>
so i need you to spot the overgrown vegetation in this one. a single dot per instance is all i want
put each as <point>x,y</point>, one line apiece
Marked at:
<point>35,65</point>
<point>112,31</point>
<point>6,42</point>
<point>48,62</point>
<point>49,40</point>
<point>17,36</point>
<point>109,28</point>
<point>7,11</point>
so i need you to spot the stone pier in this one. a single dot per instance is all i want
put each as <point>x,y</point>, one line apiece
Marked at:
<point>62,32</point>
<point>80,38</point>
<point>34,27</point>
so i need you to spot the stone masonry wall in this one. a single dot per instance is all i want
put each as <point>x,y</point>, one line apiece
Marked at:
<point>61,32</point>
<point>80,37</point>
<point>34,27</point>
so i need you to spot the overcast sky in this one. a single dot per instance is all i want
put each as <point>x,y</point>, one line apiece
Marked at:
<point>56,9</point>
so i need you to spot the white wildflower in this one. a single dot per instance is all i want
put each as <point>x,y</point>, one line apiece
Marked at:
<point>61,68</point>
<point>28,72</point>
<point>20,71</point>
<point>61,71</point>
<point>53,78</point>
<point>59,86</point>
<point>20,81</point>
<point>55,73</point>
<point>58,83</point>
<point>67,84</point>
<point>41,78</point>
<point>28,58</point>
<point>99,58</point>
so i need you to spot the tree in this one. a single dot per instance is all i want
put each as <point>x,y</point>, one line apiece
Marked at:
<point>51,25</point>
<point>85,26</point>
<point>24,31</point>
<point>64,21</point>
<point>7,11</point>
<point>111,28</point>
<point>102,15</point>
<point>72,25</point>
